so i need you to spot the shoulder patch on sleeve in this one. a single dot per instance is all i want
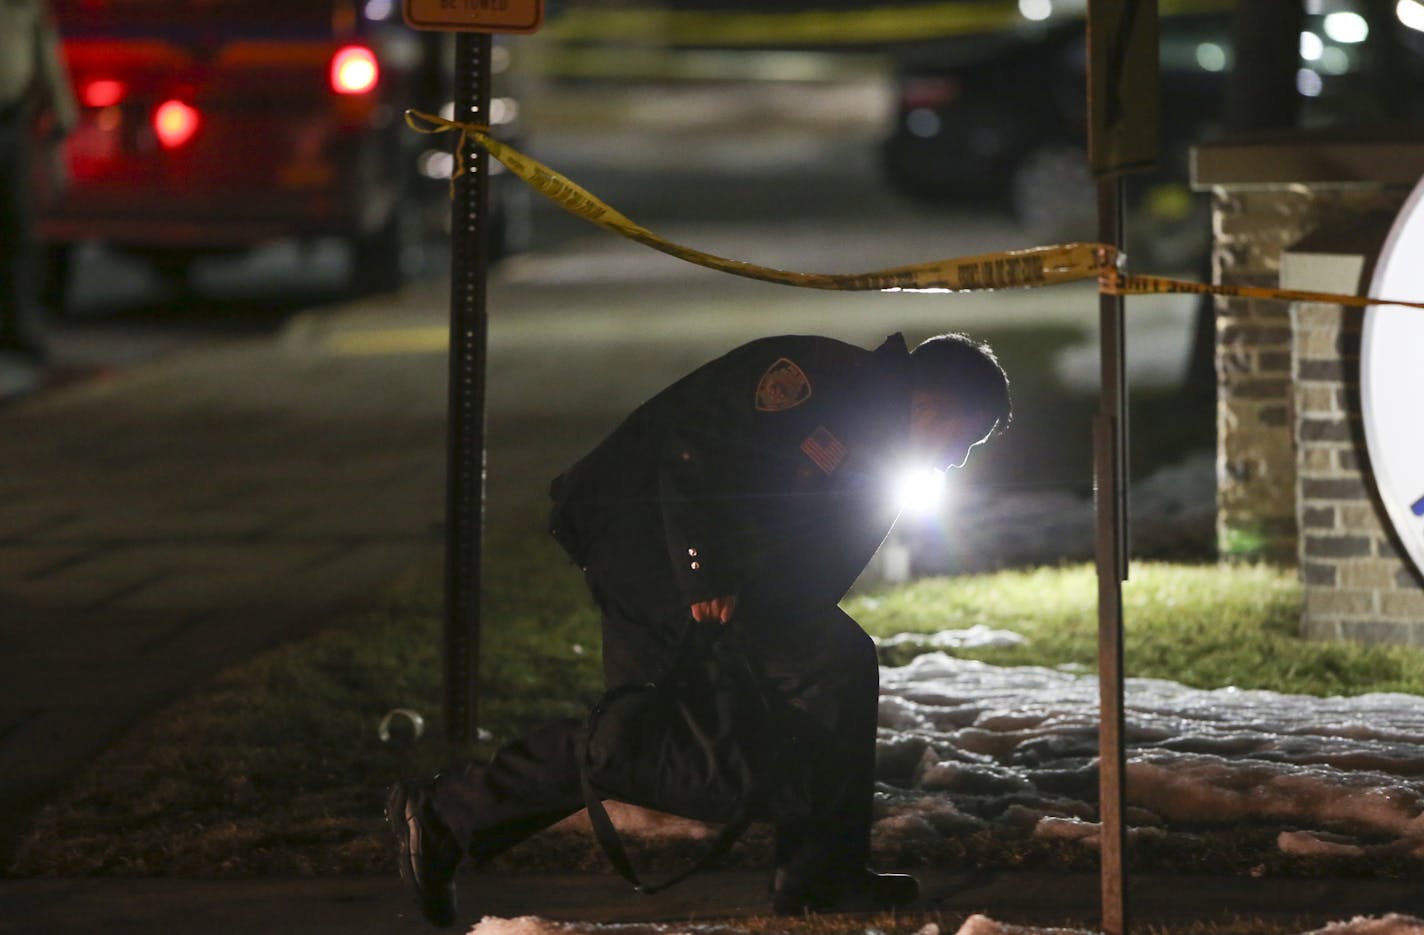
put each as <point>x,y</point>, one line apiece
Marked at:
<point>783,386</point>
<point>824,449</point>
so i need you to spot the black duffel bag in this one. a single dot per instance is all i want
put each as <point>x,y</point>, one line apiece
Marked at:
<point>707,742</point>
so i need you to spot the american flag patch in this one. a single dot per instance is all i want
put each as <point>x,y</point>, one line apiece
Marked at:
<point>824,448</point>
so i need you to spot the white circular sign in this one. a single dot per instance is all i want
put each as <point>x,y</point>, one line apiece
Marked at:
<point>1392,377</point>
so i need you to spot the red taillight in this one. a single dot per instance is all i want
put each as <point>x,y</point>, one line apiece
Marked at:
<point>354,70</point>
<point>931,93</point>
<point>102,92</point>
<point>175,123</point>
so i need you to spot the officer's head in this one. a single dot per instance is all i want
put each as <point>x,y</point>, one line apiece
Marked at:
<point>959,398</point>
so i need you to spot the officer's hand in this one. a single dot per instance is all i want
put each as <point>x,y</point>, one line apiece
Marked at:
<point>719,608</point>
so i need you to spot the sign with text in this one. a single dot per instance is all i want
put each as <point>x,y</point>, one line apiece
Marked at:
<point>523,16</point>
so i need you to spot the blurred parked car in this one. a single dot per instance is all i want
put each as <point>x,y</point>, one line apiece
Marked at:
<point>1005,123</point>
<point>214,126</point>
<point>1007,127</point>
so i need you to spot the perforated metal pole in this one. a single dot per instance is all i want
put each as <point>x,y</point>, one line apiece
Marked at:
<point>465,443</point>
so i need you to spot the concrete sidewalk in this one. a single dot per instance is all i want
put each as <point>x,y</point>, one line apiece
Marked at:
<point>160,523</point>
<point>361,906</point>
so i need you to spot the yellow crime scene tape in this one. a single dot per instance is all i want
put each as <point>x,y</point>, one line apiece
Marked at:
<point>1027,268</point>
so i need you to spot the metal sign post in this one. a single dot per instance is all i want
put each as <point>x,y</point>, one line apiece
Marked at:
<point>1123,109</point>
<point>465,441</point>
<point>469,331</point>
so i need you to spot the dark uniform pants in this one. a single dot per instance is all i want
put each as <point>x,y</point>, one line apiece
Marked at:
<point>19,328</point>
<point>814,656</point>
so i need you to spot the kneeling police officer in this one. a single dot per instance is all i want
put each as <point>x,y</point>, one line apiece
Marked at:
<point>750,494</point>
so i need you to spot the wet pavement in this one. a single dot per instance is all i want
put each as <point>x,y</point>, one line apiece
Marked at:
<point>167,520</point>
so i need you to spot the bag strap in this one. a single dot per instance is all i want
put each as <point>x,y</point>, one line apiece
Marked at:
<point>608,838</point>
<point>607,835</point>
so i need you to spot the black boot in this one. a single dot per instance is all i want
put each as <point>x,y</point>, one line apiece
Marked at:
<point>428,852</point>
<point>855,890</point>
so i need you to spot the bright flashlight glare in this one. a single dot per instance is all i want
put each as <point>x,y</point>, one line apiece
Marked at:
<point>920,491</point>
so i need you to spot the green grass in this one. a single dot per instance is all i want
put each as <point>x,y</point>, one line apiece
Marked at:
<point>275,767</point>
<point>1203,625</point>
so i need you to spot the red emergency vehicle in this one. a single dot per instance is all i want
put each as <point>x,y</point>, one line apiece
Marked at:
<point>217,125</point>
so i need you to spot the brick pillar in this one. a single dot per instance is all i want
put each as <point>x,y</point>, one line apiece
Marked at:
<point>1292,469</point>
<point>1256,445</point>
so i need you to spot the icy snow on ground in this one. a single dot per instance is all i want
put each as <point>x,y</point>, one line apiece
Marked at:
<point>974,925</point>
<point>966,745</point>
<point>975,637</point>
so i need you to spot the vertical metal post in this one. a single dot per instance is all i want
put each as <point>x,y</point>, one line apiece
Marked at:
<point>465,442</point>
<point>1124,117</point>
<point>1110,473</point>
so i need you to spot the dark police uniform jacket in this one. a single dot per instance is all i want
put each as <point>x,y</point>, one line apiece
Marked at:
<point>765,474</point>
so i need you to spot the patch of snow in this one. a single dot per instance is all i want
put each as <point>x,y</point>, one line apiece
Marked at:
<point>644,823</point>
<point>975,637</point>
<point>964,744</point>
<point>983,925</point>
<point>1391,924</point>
<point>965,747</point>
<point>535,925</point>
